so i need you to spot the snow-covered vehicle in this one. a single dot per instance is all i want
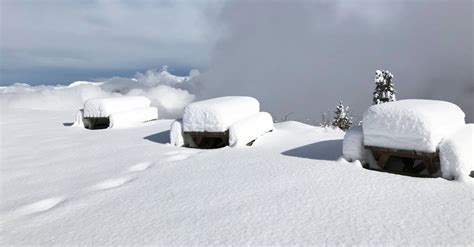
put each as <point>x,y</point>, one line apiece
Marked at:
<point>218,122</point>
<point>411,131</point>
<point>101,113</point>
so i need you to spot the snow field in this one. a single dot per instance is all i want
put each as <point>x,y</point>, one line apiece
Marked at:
<point>412,124</point>
<point>456,153</point>
<point>218,114</point>
<point>289,189</point>
<point>248,129</point>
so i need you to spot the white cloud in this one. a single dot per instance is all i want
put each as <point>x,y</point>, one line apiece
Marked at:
<point>161,88</point>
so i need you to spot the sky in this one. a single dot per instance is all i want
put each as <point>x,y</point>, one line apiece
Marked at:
<point>49,41</point>
<point>297,57</point>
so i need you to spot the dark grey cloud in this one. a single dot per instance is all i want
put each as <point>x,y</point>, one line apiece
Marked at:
<point>305,56</point>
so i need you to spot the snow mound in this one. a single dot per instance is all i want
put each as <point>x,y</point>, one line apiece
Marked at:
<point>177,137</point>
<point>218,114</point>
<point>132,117</point>
<point>456,153</point>
<point>353,145</point>
<point>412,124</point>
<point>246,130</point>
<point>103,107</point>
<point>79,120</point>
<point>176,133</point>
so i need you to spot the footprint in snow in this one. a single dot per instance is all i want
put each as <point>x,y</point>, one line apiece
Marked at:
<point>140,166</point>
<point>41,206</point>
<point>178,157</point>
<point>112,183</point>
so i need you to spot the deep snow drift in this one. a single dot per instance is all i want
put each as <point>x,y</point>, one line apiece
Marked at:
<point>71,186</point>
<point>103,107</point>
<point>218,114</point>
<point>353,146</point>
<point>411,124</point>
<point>133,117</point>
<point>456,153</point>
<point>249,129</point>
<point>122,111</point>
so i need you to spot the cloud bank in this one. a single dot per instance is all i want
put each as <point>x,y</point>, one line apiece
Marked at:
<point>163,89</point>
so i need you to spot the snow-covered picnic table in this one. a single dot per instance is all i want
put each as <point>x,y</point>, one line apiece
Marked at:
<point>115,112</point>
<point>412,124</point>
<point>234,120</point>
<point>414,129</point>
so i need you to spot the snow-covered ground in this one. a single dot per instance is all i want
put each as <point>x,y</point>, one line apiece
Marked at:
<point>67,185</point>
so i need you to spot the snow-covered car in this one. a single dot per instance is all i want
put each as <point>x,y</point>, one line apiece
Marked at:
<point>414,131</point>
<point>218,122</point>
<point>114,112</point>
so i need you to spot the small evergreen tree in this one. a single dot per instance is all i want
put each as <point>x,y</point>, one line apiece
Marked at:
<point>384,88</point>
<point>342,118</point>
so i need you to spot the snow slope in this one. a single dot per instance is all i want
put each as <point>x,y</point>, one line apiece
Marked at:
<point>72,186</point>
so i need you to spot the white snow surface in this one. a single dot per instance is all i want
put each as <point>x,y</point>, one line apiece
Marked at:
<point>412,124</point>
<point>133,117</point>
<point>103,107</point>
<point>248,129</point>
<point>70,186</point>
<point>176,133</point>
<point>456,153</point>
<point>218,114</point>
<point>353,146</point>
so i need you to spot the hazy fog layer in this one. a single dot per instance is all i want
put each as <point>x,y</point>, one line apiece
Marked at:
<point>305,56</point>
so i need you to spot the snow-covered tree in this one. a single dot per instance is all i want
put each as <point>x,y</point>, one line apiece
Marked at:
<point>342,118</point>
<point>384,88</point>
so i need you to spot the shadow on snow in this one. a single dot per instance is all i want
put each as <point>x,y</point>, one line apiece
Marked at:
<point>323,150</point>
<point>162,137</point>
